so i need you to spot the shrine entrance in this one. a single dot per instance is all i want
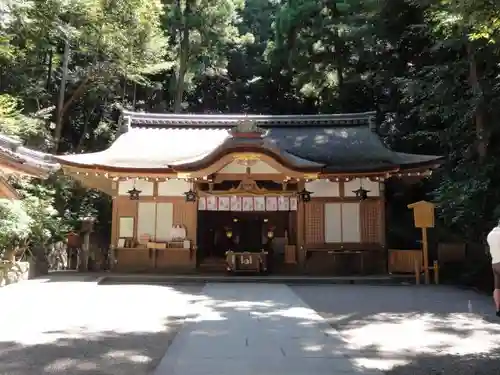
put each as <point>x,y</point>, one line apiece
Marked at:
<point>254,232</point>
<point>240,217</point>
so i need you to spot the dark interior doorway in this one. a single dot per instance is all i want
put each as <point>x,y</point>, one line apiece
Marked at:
<point>249,231</point>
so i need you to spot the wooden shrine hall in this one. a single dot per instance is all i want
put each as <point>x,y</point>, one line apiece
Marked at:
<point>18,160</point>
<point>293,193</point>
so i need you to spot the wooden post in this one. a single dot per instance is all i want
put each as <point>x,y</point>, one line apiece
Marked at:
<point>303,250</point>
<point>425,251</point>
<point>423,218</point>
<point>436,272</point>
<point>418,269</point>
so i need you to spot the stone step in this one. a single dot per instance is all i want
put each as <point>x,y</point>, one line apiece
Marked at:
<point>252,278</point>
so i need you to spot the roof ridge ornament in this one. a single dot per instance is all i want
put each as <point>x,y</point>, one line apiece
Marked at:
<point>247,128</point>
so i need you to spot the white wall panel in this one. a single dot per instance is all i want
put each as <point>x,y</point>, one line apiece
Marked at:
<point>372,186</point>
<point>146,187</point>
<point>333,228</point>
<point>164,221</point>
<point>146,217</point>
<point>351,222</point>
<point>173,188</point>
<point>323,188</point>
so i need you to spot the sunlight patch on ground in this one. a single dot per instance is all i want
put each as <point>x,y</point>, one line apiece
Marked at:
<point>307,315</point>
<point>79,310</point>
<point>63,364</point>
<point>382,363</point>
<point>130,355</point>
<point>397,338</point>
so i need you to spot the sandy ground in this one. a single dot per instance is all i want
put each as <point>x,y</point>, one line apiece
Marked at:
<point>77,328</point>
<point>70,326</point>
<point>408,330</point>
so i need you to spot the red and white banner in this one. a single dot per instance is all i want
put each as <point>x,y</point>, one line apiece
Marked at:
<point>237,203</point>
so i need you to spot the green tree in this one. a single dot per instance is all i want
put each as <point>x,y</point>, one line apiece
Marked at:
<point>201,34</point>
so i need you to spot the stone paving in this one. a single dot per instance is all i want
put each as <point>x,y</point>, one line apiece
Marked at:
<point>75,326</point>
<point>255,329</point>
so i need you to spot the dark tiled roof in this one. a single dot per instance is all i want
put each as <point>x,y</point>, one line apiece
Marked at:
<point>142,119</point>
<point>13,151</point>
<point>333,143</point>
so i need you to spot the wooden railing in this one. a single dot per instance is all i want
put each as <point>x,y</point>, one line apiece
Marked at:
<point>403,261</point>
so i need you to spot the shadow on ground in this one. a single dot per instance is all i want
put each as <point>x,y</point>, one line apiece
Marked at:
<point>396,330</point>
<point>412,330</point>
<point>450,364</point>
<point>103,354</point>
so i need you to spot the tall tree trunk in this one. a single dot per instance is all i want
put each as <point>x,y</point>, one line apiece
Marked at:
<point>134,98</point>
<point>482,136</point>
<point>86,122</point>
<point>338,44</point>
<point>183,57</point>
<point>339,51</point>
<point>62,91</point>
<point>49,69</point>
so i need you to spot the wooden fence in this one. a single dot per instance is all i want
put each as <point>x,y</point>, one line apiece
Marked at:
<point>403,261</point>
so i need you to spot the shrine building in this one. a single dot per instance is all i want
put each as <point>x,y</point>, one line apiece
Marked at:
<point>18,160</point>
<point>292,193</point>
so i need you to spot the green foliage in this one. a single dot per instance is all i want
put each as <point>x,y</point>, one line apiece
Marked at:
<point>15,225</point>
<point>39,202</point>
<point>32,221</point>
<point>14,123</point>
<point>410,60</point>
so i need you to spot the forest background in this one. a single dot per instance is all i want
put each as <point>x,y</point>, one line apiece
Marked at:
<point>429,68</point>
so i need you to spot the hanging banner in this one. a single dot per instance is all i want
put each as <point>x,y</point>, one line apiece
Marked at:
<point>237,203</point>
<point>271,203</point>
<point>283,204</point>
<point>212,203</point>
<point>259,203</point>
<point>224,204</point>
<point>202,204</point>
<point>247,203</point>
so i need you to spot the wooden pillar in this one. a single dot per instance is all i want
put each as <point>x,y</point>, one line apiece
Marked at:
<point>383,225</point>
<point>114,222</point>
<point>193,219</point>
<point>425,250</point>
<point>301,238</point>
<point>301,227</point>
<point>194,222</point>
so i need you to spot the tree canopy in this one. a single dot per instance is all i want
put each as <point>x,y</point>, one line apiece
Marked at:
<point>429,68</point>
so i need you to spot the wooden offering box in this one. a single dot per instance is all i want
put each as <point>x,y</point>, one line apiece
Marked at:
<point>246,261</point>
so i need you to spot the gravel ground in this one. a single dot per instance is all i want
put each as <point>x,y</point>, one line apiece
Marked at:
<point>411,330</point>
<point>81,328</point>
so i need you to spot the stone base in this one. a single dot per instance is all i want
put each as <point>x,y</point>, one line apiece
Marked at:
<point>11,273</point>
